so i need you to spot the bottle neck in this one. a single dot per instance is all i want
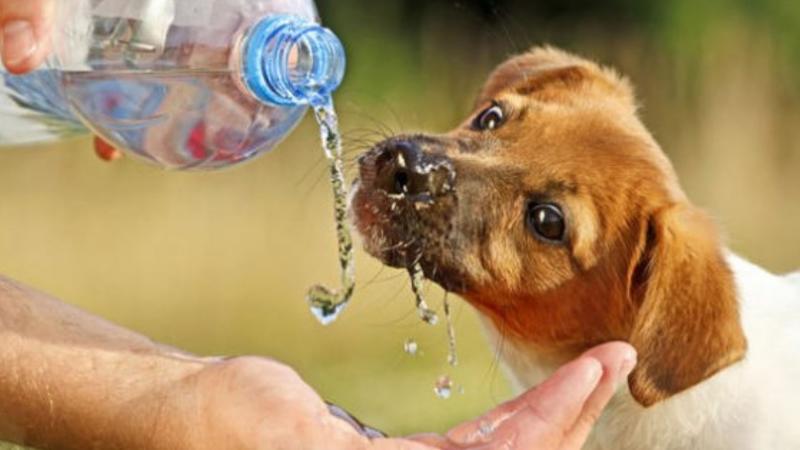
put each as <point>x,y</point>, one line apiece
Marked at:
<point>289,61</point>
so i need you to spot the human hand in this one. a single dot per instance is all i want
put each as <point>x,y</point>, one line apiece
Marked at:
<point>71,380</point>
<point>558,414</point>
<point>254,403</point>
<point>25,26</point>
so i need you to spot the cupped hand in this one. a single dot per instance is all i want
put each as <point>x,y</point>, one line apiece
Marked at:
<point>25,26</point>
<point>254,403</point>
<point>558,414</point>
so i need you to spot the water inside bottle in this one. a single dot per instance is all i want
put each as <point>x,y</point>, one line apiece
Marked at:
<point>39,114</point>
<point>327,304</point>
<point>181,119</point>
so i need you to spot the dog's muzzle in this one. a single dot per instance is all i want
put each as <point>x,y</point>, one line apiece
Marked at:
<point>400,168</point>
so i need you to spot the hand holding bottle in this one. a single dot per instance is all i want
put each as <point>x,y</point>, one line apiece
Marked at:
<point>182,84</point>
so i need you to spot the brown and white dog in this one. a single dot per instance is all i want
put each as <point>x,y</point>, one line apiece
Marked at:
<point>555,214</point>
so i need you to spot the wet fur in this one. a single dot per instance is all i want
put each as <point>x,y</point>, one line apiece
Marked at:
<point>640,262</point>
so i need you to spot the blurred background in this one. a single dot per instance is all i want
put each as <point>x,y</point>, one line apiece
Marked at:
<point>218,263</point>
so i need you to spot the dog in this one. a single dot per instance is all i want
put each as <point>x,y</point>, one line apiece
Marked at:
<point>555,214</point>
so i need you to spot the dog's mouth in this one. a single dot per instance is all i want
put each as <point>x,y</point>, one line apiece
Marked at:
<point>403,205</point>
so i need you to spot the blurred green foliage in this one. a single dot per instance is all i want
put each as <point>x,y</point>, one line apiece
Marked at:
<point>218,263</point>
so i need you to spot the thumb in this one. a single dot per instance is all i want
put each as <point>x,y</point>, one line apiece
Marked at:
<point>560,412</point>
<point>25,27</point>
<point>106,151</point>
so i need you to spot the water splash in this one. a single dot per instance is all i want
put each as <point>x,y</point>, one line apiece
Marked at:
<point>327,304</point>
<point>443,387</point>
<point>425,313</point>
<point>411,347</point>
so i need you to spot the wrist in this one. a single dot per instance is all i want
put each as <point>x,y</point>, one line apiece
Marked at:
<point>74,398</point>
<point>161,407</point>
<point>72,380</point>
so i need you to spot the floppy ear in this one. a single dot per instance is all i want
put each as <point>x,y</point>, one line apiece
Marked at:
<point>687,327</point>
<point>545,67</point>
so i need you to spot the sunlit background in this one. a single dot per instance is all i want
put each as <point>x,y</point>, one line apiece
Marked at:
<point>218,263</point>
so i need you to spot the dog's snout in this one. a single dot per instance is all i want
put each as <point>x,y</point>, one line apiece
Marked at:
<point>395,165</point>
<point>401,167</point>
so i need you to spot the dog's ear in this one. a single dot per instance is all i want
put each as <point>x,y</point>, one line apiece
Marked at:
<point>687,327</point>
<point>548,67</point>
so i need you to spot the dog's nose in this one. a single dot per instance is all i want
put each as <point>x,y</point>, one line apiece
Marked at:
<point>400,167</point>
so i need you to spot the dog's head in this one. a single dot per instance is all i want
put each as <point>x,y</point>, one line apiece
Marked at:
<point>553,211</point>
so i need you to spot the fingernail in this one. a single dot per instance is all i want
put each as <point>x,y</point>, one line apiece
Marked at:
<point>626,366</point>
<point>19,42</point>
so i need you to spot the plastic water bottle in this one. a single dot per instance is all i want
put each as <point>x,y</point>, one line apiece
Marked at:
<point>186,84</point>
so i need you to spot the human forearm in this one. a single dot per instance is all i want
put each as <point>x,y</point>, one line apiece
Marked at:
<point>71,380</point>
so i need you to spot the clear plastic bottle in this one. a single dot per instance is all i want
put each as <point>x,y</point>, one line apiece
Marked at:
<point>187,84</point>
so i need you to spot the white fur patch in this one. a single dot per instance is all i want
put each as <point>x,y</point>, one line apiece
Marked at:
<point>752,405</point>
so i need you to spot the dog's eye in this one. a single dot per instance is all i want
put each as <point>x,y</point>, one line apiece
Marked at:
<point>546,221</point>
<point>490,119</point>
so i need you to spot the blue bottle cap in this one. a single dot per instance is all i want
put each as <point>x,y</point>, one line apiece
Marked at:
<point>290,61</point>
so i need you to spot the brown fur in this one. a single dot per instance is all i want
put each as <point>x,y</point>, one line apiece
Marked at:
<point>640,262</point>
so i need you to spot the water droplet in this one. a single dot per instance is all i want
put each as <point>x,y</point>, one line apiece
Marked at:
<point>326,313</point>
<point>410,346</point>
<point>485,429</point>
<point>443,387</point>
<point>428,316</point>
<point>326,304</point>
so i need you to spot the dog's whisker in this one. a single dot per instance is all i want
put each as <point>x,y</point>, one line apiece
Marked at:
<point>503,19</point>
<point>375,276</point>
<point>382,101</point>
<point>316,167</point>
<point>382,128</point>
<point>494,366</point>
<point>388,278</point>
<point>401,245</point>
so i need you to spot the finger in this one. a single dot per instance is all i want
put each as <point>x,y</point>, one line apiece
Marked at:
<point>480,429</point>
<point>553,407</point>
<point>560,403</point>
<point>431,439</point>
<point>25,28</point>
<point>106,151</point>
<point>407,444</point>
<point>618,360</point>
<point>340,434</point>
<point>556,410</point>
<point>607,354</point>
<point>555,403</point>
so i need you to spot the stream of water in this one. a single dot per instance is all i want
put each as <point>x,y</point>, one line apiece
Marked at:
<point>327,304</point>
